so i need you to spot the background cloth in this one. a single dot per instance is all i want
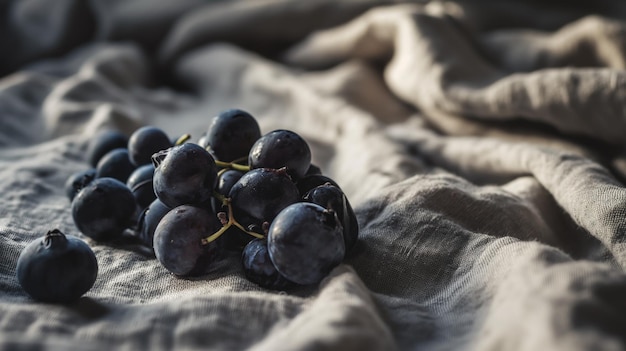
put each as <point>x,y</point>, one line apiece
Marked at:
<point>481,144</point>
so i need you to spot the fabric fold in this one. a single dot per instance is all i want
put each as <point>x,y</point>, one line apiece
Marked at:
<point>449,76</point>
<point>481,148</point>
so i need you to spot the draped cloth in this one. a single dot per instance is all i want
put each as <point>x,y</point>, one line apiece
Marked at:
<point>480,143</point>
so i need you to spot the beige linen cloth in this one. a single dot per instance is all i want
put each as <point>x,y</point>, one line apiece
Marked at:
<point>479,142</point>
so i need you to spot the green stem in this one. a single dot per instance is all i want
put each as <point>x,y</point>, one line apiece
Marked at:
<point>223,199</point>
<point>256,235</point>
<point>216,235</point>
<point>230,223</point>
<point>183,138</point>
<point>232,165</point>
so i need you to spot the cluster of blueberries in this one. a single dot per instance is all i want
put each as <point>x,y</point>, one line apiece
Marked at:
<point>193,202</point>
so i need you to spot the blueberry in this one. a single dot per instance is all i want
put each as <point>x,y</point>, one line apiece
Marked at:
<point>309,182</point>
<point>77,181</point>
<point>313,169</point>
<point>331,197</point>
<point>115,164</point>
<point>262,193</point>
<point>103,209</point>
<point>281,148</point>
<point>140,184</point>
<point>225,182</point>
<point>145,142</point>
<point>259,269</point>
<point>149,219</point>
<point>102,143</point>
<point>305,242</point>
<point>178,241</point>
<point>184,174</point>
<point>57,268</point>
<point>231,135</point>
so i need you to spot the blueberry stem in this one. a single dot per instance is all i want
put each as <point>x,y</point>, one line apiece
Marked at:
<point>232,165</point>
<point>216,235</point>
<point>221,198</point>
<point>54,237</point>
<point>231,222</point>
<point>182,139</point>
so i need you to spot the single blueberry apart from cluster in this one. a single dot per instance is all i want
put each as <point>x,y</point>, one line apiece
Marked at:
<point>305,242</point>
<point>57,268</point>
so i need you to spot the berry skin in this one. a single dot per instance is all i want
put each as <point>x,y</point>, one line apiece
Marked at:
<point>262,193</point>
<point>103,209</point>
<point>281,148</point>
<point>331,197</point>
<point>311,181</point>
<point>313,169</point>
<point>77,181</point>
<point>225,182</point>
<point>57,268</point>
<point>115,164</point>
<point>231,135</point>
<point>259,269</point>
<point>104,142</point>
<point>305,242</point>
<point>140,184</point>
<point>145,142</point>
<point>178,241</point>
<point>149,220</point>
<point>184,174</point>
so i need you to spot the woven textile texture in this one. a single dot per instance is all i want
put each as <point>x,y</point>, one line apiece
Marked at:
<point>480,143</point>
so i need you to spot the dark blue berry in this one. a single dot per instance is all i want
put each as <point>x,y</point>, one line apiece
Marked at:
<point>102,143</point>
<point>184,174</point>
<point>104,209</point>
<point>281,148</point>
<point>259,269</point>
<point>311,181</point>
<point>148,221</point>
<point>262,193</point>
<point>331,197</point>
<point>140,184</point>
<point>57,268</point>
<point>178,241</point>
<point>145,142</point>
<point>77,181</point>
<point>115,164</point>
<point>231,135</point>
<point>305,242</point>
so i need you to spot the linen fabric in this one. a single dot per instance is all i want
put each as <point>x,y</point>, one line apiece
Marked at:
<point>480,143</point>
